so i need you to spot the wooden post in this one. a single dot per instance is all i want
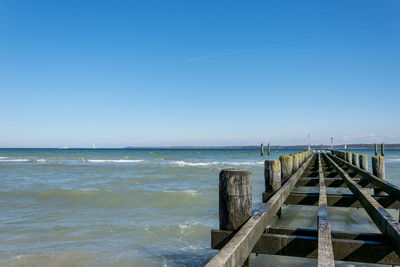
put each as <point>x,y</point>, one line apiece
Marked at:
<point>303,158</point>
<point>273,181</point>
<point>355,159</point>
<point>296,162</point>
<point>378,169</point>
<point>382,150</point>
<point>269,149</point>
<point>235,200</point>
<point>376,150</point>
<point>262,149</point>
<point>286,166</point>
<point>363,160</point>
<point>348,157</point>
<point>272,176</point>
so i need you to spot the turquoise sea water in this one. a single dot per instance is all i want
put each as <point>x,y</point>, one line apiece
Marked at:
<point>118,207</point>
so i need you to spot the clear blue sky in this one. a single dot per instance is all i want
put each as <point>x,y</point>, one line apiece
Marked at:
<point>118,73</point>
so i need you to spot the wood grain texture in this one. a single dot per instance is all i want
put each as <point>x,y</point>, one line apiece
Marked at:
<point>361,247</point>
<point>235,198</point>
<point>391,189</point>
<point>237,250</point>
<point>325,251</point>
<point>382,219</point>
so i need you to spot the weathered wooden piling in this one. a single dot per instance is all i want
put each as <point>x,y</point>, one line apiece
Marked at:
<point>286,166</point>
<point>256,235</point>
<point>269,149</point>
<point>363,160</point>
<point>355,159</point>
<point>382,150</point>
<point>272,177</point>
<point>300,158</point>
<point>378,169</point>
<point>296,162</point>
<point>235,198</point>
<point>348,157</point>
<point>262,149</point>
<point>376,150</point>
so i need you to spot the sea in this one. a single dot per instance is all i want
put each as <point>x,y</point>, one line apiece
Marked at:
<point>137,207</point>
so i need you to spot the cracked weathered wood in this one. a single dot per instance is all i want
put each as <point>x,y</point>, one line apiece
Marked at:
<point>235,198</point>
<point>382,219</point>
<point>355,160</point>
<point>286,166</point>
<point>319,243</point>
<point>359,247</point>
<point>331,182</point>
<point>272,177</point>
<point>339,200</point>
<point>391,189</point>
<point>237,250</point>
<point>363,162</point>
<point>325,251</point>
<point>378,169</point>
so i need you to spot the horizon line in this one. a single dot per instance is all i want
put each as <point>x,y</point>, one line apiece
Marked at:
<point>209,146</point>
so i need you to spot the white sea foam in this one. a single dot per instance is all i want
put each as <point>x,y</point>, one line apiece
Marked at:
<point>94,190</point>
<point>186,227</point>
<point>182,163</point>
<point>40,160</point>
<point>393,160</point>
<point>14,160</point>
<point>89,189</point>
<point>255,163</point>
<point>188,192</point>
<point>3,157</point>
<point>115,160</point>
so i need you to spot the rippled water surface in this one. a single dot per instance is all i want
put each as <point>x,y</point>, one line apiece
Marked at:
<point>117,207</point>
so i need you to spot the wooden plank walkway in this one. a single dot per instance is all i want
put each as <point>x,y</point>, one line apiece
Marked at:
<point>308,169</point>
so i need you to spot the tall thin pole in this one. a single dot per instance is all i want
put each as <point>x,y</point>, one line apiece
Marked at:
<point>331,142</point>
<point>309,141</point>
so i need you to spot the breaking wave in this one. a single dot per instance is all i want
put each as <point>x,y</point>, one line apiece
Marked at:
<point>182,163</point>
<point>13,160</point>
<point>115,160</point>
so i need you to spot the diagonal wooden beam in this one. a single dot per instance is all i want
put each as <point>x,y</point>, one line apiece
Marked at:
<point>325,250</point>
<point>391,189</point>
<point>282,230</point>
<point>360,247</point>
<point>331,182</point>
<point>382,219</point>
<point>237,250</point>
<point>339,200</point>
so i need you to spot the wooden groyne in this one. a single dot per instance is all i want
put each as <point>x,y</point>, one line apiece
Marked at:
<point>243,231</point>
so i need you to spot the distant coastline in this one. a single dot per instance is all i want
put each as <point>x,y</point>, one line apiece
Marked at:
<point>255,147</point>
<point>349,146</point>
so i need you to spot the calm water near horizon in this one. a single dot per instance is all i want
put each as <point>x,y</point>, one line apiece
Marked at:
<point>122,207</point>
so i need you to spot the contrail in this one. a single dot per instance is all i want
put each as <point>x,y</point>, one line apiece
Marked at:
<point>245,50</point>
